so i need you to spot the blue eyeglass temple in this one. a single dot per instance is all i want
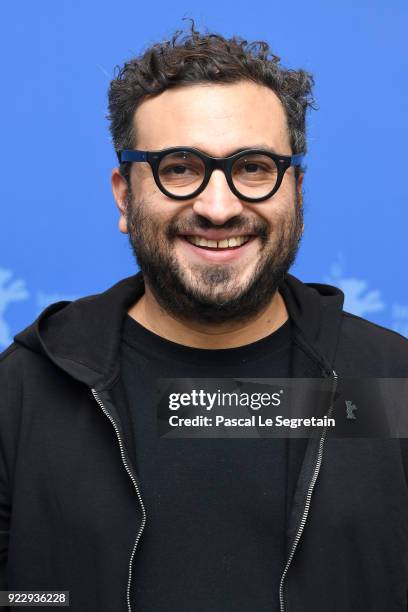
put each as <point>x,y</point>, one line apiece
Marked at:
<point>297,159</point>
<point>127,156</point>
<point>130,155</point>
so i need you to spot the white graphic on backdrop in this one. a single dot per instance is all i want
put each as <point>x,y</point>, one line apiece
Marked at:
<point>361,302</point>
<point>357,299</point>
<point>15,291</point>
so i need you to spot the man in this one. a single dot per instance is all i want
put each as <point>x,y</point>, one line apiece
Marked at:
<point>92,500</point>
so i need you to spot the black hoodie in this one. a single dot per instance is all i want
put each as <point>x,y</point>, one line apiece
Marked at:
<point>71,515</point>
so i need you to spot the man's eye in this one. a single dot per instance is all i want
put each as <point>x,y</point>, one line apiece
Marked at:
<point>178,169</point>
<point>252,167</point>
<point>256,169</point>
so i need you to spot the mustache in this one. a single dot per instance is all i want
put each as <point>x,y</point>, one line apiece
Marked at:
<point>258,227</point>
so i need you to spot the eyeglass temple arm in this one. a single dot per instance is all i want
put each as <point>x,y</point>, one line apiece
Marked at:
<point>297,159</point>
<point>130,156</point>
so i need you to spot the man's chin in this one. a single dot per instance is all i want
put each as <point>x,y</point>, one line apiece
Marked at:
<point>211,300</point>
<point>215,287</point>
<point>216,298</point>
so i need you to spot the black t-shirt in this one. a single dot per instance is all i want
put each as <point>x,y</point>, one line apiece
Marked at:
<point>215,531</point>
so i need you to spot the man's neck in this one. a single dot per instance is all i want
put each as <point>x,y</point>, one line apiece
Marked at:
<point>148,312</point>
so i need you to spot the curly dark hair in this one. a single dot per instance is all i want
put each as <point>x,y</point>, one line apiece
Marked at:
<point>202,58</point>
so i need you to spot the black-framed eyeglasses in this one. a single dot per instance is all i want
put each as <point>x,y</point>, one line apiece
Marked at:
<point>253,175</point>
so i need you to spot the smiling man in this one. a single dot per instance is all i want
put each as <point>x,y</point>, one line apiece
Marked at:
<point>215,257</point>
<point>210,138</point>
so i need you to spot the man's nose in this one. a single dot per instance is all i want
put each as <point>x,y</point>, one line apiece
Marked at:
<point>217,202</point>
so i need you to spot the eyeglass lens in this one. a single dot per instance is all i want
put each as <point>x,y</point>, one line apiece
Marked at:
<point>181,173</point>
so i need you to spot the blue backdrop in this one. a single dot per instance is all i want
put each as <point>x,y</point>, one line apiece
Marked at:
<point>59,235</point>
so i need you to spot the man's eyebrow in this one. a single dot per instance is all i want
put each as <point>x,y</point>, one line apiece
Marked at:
<point>264,147</point>
<point>261,145</point>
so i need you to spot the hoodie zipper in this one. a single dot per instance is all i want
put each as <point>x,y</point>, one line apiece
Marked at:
<point>136,486</point>
<point>302,520</point>
<point>307,505</point>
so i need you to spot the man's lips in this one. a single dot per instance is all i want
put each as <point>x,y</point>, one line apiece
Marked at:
<point>217,234</point>
<point>215,251</point>
<point>217,239</point>
<point>225,243</point>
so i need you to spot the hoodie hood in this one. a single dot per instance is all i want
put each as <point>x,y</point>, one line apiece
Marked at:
<point>83,336</point>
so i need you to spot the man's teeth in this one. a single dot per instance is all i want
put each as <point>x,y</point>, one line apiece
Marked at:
<point>218,244</point>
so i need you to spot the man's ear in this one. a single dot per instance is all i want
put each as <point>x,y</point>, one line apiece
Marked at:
<point>299,192</point>
<point>120,193</point>
<point>299,183</point>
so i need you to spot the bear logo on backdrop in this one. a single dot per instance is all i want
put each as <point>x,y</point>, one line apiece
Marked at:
<point>358,299</point>
<point>10,292</point>
<point>13,291</point>
<point>363,302</point>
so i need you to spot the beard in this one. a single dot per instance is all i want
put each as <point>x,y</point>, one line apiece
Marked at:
<point>211,293</point>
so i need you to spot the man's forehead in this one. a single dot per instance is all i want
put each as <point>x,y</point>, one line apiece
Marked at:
<point>224,118</point>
